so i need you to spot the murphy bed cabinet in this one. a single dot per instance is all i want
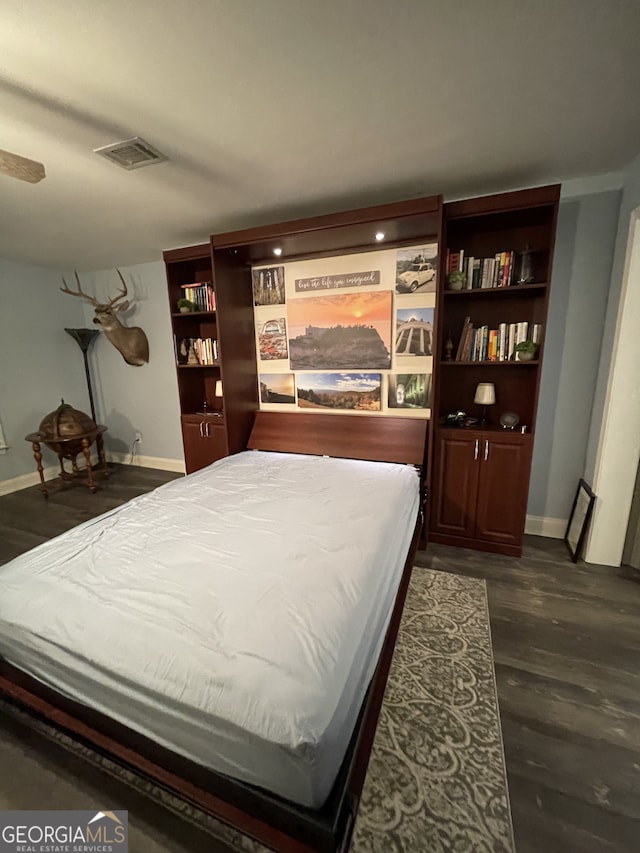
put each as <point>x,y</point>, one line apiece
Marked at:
<point>214,350</point>
<point>403,223</point>
<point>480,478</point>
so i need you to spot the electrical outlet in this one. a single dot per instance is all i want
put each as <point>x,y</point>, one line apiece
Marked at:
<point>138,438</point>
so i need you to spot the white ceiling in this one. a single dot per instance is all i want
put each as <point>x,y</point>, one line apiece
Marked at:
<point>274,109</point>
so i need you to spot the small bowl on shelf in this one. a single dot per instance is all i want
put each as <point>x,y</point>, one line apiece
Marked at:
<point>509,420</point>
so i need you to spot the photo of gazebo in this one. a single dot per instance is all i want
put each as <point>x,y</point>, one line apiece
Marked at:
<point>414,331</point>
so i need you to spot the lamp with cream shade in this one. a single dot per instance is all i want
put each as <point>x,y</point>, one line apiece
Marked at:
<point>485,396</point>
<point>218,394</point>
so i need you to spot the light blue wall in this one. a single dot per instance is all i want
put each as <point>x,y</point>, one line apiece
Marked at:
<point>39,362</point>
<point>582,265</point>
<point>137,399</point>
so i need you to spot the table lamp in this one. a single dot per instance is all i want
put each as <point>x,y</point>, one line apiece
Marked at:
<point>218,393</point>
<point>485,396</point>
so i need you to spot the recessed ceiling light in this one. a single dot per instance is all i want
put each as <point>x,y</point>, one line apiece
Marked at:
<point>380,236</point>
<point>277,251</point>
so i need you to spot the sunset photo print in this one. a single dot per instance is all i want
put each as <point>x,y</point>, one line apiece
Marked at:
<point>347,331</point>
<point>277,388</point>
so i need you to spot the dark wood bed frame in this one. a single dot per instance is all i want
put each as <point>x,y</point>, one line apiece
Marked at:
<point>276,823</point>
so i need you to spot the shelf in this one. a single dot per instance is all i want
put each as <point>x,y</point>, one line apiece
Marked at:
<point>481,472</point>
<point>534,363</point>
<point>494,428</point>
<point>196,366</point>
<point>207,435</point>
<point>512,290</point>
<point>211,417</point>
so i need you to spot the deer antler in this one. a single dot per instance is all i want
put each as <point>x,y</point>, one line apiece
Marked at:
<point>122,293</point>
<point>79,292</point>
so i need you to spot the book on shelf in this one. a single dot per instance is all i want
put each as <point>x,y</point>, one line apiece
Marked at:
<point>482,273</point>
<point>454,261</point>
<point>464,334</point>
<point>522,333</point>
<point>503,342</point>
<point>480,343</point>
<point>195,351</point>
<point>202,294</point>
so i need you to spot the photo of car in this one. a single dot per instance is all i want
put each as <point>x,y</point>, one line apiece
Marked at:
<point>417,276</point>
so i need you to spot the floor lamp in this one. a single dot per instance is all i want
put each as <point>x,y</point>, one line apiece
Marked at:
<point>83,338</point>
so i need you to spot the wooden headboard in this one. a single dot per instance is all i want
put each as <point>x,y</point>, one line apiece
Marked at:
<point>368,437</point>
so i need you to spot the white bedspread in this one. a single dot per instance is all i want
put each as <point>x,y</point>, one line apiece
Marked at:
<point>235,615</point>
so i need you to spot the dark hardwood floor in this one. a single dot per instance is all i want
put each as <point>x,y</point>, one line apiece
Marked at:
<point>566,642</point>
<point>27,518</point>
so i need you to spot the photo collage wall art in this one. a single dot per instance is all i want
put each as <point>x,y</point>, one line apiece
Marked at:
<point>348,333</point>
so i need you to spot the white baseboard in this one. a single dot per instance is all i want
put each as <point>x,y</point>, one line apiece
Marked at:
<point>553,528</point>
<point>51,472</point>
<point>26,480</point>
<point>159,462</point>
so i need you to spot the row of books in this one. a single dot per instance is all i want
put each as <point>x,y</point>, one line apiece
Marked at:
<point>196,350</point>
<point>201,294</point>
<point>485,344</point>
<point>495,271</point>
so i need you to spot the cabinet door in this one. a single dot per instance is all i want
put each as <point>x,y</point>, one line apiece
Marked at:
<point>204,443</point>
<point>455,484</point>
<point>503,488</point>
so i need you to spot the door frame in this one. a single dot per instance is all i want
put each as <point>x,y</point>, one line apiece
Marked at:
<point>618,451</point>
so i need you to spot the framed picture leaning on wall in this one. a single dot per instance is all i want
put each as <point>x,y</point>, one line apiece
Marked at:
<point>579,520</point>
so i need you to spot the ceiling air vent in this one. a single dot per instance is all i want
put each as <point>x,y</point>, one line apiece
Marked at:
<point>132,153</point>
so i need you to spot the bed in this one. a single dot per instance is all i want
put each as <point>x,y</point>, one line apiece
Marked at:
<point>229,634</point>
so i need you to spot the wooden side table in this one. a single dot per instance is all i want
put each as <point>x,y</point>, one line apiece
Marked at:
<point>69,448</point>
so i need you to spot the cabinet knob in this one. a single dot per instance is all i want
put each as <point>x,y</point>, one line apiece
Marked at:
<point>476,449</point>
<point>486,449</point>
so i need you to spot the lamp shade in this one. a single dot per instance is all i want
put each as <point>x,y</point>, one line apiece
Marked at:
<point>83,338</point>
<point>485,394</point>
<point>218,388</point>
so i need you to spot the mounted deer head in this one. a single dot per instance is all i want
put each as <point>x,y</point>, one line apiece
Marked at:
<point>131,342</point>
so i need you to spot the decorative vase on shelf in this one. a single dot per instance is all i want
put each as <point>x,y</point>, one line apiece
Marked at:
<point>525,356</point>
<point>448,347</point>
<point>525,273</point>
<point>185,310</point>
<point>183,351</point>
<point>192,358</point>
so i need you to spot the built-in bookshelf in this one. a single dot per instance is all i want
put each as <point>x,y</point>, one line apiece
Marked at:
<point>520,226</point>
<point>493,295</point>
<point>214,356</point>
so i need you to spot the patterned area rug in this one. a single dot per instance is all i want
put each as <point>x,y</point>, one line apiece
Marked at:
<point>436,780</point>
